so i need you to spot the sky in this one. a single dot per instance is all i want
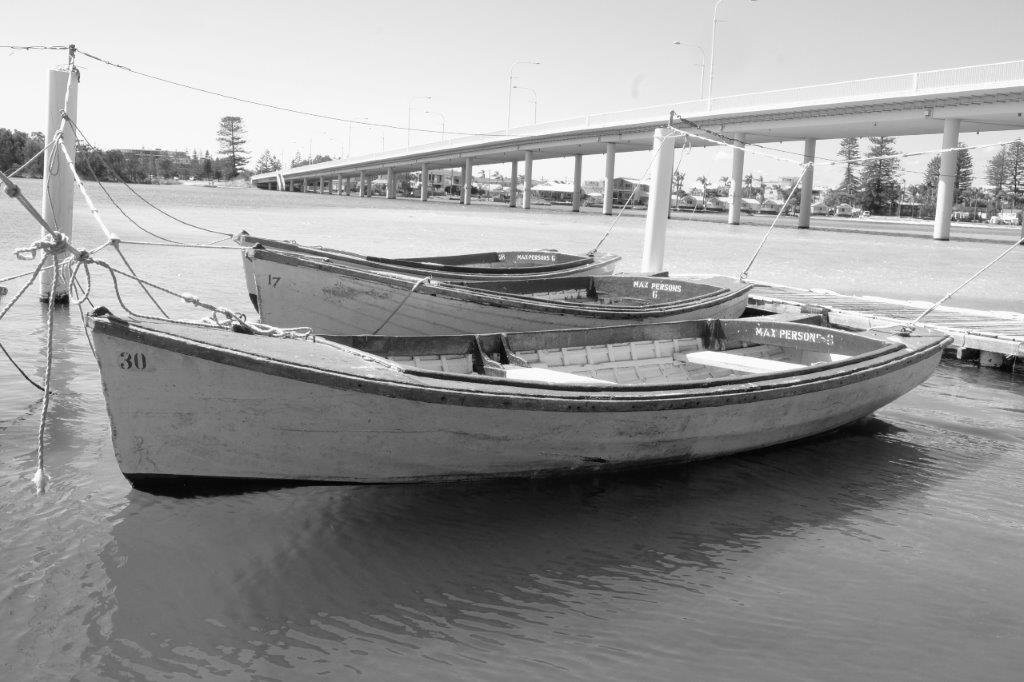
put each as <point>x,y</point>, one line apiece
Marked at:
<point>370,60</point>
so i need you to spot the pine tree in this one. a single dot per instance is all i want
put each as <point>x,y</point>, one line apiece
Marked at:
<point>231,135</point>
<point>267,162</point>
<point>964,175</point>
<point>1015,171</point>
<point>995,173</point>
<point>849,187</point>
<point>208,166</point>
<point>879,178</point>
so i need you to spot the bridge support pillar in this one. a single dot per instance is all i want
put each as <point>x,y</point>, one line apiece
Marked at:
<point>304,184</point>
<point>736,199</point>
<point>527,178</point>
<point>577,184</point>
<point>389,188</point>
<point>653,258</point>
<point>362,183</point>
<point>513,185</point>
<point>807,186</point>
<point>947,179</point>
<point>424,182</point>
<point>467,182</point>
<point>609,176</point>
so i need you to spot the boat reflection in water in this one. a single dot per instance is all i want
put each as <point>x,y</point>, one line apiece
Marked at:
<point>495,580</point>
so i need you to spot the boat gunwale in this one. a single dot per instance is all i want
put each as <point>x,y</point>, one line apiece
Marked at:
<point>498,392</point>
<point>465,292</point>
<point>582,263</point>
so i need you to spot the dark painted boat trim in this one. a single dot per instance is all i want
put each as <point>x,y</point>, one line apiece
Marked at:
<point>440,265</point>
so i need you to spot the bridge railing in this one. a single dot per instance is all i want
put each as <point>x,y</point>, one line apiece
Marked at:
<point>921,82</point>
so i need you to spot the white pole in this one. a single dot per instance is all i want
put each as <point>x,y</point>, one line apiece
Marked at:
<point>711,69</point>
<point>513,184</point>
<point>577,183</point>
<point>527,177</point>
<point>947,178</point>
<point>467,182</point>
<point>58,180</point>
<point>807,185</point>
<point>609,176</point>
<point>736,201</point>
<point>657,204</point>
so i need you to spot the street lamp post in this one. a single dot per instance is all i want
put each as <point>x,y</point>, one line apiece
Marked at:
<point>533,101</point>
<point>714,31</point>
<point>349,147</point>
<point>408,122</point>
<point>703,62</point>
<point>437,113</point>
<point>508,108</point>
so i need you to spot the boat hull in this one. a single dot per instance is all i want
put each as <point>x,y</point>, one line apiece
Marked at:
<point>597,264</point>
<point>330,300</point>
<point>203,412</point>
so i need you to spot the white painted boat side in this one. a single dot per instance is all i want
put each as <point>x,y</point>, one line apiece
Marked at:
<point>183,415</point>
<point>601,264</point>
<point>300,296</point>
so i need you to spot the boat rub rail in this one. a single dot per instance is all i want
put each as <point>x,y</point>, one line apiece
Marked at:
<point>393,380</point>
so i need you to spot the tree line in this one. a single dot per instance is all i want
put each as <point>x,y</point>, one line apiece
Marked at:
<point>134,165</point>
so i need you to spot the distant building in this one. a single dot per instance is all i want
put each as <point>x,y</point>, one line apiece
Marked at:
<point>624,188</point>
<point>156,162</point>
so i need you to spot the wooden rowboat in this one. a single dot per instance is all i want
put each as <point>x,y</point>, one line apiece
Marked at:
<point>467,266</point>
<point>189,402</point>
<point>333,298</point>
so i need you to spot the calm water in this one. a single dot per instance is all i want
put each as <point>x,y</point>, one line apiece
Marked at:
<point>891,550</point>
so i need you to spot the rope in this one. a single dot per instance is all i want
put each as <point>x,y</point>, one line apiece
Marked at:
<point>28,163</point>
<point>393,312</point>
<point>968,281</point>
<point>211,245</point>
<point>800,180</point>
<point>20,370</point>
<point>113,171</point>
<point>47,267</point>
<point>12,190</point>
<point>132,270</point>
<point>40,477</point>
<point>81,187</point>
<point>340,119</point>
<point>62,48</point>
<point>23,289</point>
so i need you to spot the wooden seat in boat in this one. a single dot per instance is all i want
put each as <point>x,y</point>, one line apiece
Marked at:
<point>549,376</point>
<point>739,363</point>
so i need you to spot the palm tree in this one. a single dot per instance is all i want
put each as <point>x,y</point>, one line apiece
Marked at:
<point>703,180</point>
<point>748,185</point>
<point>726,183</point>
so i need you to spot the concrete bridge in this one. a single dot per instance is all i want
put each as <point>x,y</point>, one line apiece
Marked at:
<point>949,101</point>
